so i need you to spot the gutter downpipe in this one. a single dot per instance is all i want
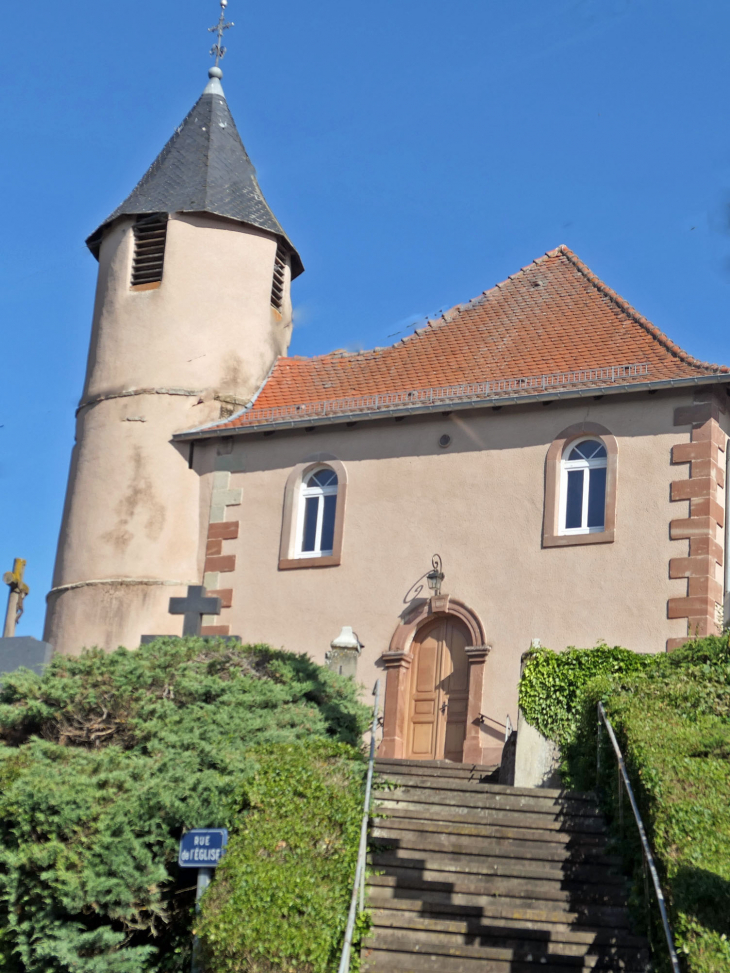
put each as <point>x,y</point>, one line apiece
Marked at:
<point>357,900</point>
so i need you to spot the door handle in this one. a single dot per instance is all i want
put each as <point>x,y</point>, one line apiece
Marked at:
<point>444,707</point>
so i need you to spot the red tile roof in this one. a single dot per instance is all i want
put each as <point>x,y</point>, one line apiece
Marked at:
<point>553,316</point>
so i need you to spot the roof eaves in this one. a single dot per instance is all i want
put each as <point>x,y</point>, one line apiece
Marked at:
<point>216,429</point>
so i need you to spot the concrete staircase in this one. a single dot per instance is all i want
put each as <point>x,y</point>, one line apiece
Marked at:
<point>478,877</point>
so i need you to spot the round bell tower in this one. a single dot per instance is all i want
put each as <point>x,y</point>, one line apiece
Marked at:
<point>192,308</point>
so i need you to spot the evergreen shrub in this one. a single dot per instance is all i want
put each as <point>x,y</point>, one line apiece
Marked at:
<point>671,714</point>
<point>106,759</point>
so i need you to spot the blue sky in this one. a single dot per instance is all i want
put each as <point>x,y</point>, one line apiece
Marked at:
<point>415,151</point>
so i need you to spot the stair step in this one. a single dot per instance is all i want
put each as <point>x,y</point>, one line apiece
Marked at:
<point>441,767</point>
<point>477,928</point>
<point>400,878</point>
<point>571,896</point>
<point>479,877</point>
<point>455,811</point>
<point>413,779</point>
<point>476,960</point>
<point>444,861</point>
<point>455,843</point>
<point>420,790</point>
<point>427,941</point>
<point>470,774</point>
<point>471,778</point>
<point>542,915</point>
<point>412,821</point>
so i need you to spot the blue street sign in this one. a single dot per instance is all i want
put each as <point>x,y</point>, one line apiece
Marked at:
<point>202,848</point>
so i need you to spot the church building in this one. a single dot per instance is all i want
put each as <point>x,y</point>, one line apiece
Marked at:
<point>541,462</point>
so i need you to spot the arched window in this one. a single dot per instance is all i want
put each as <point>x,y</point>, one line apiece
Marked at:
<point>317,510</point>
<point>583,487</point>
<point>313,522</point>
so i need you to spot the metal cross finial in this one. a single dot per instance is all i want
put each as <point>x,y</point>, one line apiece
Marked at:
<point>217,50</point>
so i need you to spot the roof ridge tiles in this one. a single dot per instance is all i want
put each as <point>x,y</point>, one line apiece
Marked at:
<point>631,311</point>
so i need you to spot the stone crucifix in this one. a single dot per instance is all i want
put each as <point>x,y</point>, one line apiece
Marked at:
<point>18,590</point>
<point>193,606</point>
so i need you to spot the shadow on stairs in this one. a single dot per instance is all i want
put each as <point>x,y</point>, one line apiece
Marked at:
<point>478,877</point>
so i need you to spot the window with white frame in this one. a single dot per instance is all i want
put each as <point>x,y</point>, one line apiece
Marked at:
<point>317,507</point>
<point>583,487</point>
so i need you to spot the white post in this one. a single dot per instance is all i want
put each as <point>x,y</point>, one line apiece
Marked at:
<point>204,877</point>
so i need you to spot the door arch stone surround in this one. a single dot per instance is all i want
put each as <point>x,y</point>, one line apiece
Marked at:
<point>398,659</point>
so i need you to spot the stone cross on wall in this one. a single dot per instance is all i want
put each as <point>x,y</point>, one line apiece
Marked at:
<point>195,604</point>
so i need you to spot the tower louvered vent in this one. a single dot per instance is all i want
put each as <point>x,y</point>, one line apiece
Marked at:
<point>277,286</point>
<point>150,233</point>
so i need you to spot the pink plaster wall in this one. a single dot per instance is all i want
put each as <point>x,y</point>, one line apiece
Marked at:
<point>479,504</point>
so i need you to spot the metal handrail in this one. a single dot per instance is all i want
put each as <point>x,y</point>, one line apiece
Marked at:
<point>648,861</point>
<point>358,887</point>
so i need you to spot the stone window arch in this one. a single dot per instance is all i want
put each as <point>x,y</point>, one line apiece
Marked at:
<point>564,526</point>
<point>308,502</point>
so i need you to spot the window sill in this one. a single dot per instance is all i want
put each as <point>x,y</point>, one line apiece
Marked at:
<point>328,561</point>
<point>570,540</point>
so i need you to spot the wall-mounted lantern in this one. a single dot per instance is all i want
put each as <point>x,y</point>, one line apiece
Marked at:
<point>436,575</point>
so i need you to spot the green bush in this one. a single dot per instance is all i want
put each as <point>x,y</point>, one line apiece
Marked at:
<point>282,894</point>
<point>552,684</point>
<point>671,715</point>
<point>106,759</point>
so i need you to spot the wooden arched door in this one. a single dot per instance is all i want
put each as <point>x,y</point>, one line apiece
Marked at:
<point>439,691</point>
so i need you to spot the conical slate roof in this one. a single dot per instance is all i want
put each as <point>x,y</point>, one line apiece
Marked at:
<point>204,168</point>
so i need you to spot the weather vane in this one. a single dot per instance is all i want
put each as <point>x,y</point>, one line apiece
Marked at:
<point>218,50</point>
